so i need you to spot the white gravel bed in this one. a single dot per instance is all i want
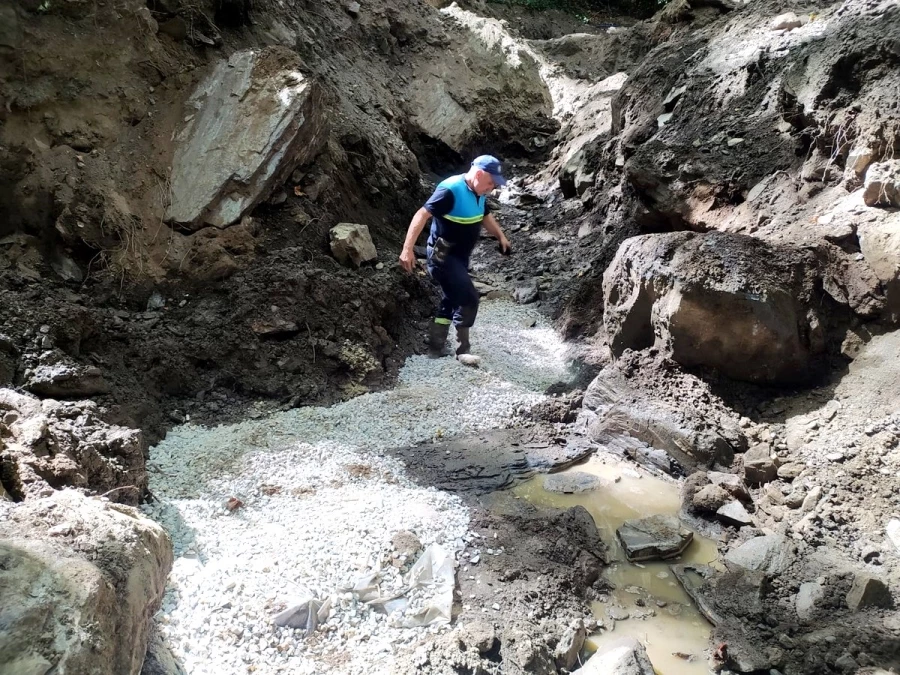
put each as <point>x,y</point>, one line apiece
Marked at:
<point>320,504</point>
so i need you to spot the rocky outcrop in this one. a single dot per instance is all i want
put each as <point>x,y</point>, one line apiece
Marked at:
<point>613,406</point>
<point>80,580</point>
<point>722,301</point>
<point>45,445</point>
<point>484,82</point>
<point>250,123</point>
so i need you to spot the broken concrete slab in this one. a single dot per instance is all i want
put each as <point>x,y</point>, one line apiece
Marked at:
<point>769,554</point>
<point>656,537</point>
<point>250,123</point>
<point>351,244</point>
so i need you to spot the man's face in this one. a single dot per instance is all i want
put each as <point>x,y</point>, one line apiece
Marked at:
<point>483,183</point>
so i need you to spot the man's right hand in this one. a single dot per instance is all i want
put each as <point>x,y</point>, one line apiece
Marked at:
<point>408,259</point>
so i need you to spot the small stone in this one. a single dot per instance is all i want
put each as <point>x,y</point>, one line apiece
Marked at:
<point>810,501</point>
<point>379,266</point>
<point>835,457</point>
<point>495,607</point>
<point>351,244</point>
<point>353,9</point>
<point>734,141</point>
<point>790,471</point>
<point>663,119</point>
<point>617,613</point>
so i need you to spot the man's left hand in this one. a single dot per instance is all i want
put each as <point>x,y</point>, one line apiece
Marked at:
<point>505,248</point>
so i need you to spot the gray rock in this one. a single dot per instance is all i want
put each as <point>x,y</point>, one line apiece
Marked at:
<point>790,471</point>
<point>570,644</point>
<point>571,482</point>
<point>882,186</point>
<point>613,408</point>
<point>617,613</point>
<point>867,591</point>
<point>731,483</point>
<point>655,537</point>
<point>351,244</point>
<point>809,594</point>
<point>353,8</point>
<point>879,241</point>
<point>93,601</point>
<point>528,293</point>
<point>759,467</point>
<point>811,499</point>
<point>66,380</point>
<point>710,498</point>
<point>257,117</point>
<point>765,554</point>
<point>626,656</point>
<point>735,514</point>
<point>477,635</point>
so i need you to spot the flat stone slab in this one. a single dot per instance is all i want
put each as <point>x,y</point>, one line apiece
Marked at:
<point>252,120</point>
<point>572,482</point>
<point>656,537</point>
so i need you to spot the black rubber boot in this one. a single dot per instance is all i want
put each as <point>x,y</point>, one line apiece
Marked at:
<point>462,336</point>
<point>437,340</point>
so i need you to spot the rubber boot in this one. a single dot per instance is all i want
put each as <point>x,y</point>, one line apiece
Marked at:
<point>462,336</point>
<point>437,340</point>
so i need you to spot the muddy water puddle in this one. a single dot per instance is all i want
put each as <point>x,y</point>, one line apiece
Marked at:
<point>660,613</point>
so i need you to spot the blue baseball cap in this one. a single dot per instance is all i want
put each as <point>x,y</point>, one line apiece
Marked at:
<point>490,164</point>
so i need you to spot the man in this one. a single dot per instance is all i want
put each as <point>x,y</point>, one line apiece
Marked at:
<point>458,210</point>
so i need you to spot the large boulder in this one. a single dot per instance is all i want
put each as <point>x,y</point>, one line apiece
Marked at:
<point>48,444</point>
<point>879,242</point>
<point>726,301</point>
<point>250,123</point>
<point>80,579</point>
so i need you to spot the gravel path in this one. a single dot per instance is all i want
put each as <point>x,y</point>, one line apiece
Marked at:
<point>321,503</point>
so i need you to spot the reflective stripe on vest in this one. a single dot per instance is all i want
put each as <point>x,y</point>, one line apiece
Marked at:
<point>468,208</point>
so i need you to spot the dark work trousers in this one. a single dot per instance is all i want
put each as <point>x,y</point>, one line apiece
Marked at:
<point>459,299</point>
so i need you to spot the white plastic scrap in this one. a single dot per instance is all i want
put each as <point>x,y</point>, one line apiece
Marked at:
<point>306,614</point>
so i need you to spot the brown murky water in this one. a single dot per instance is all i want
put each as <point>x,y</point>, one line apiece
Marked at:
<point>675,633</point>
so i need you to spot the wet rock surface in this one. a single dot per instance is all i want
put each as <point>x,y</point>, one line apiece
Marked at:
<point>653,538</point>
